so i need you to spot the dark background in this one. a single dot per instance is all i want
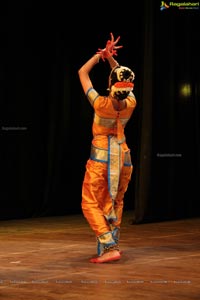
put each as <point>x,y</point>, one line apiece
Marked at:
<point>46,120</point>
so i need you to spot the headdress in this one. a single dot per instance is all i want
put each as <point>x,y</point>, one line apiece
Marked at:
<point>121,82</point>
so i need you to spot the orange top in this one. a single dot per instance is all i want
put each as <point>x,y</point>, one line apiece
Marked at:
<point>107,120</point>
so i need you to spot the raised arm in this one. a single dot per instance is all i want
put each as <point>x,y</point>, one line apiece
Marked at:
<point>105,54</point>
<point>84,72</point>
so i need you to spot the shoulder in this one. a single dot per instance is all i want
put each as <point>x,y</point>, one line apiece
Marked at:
<point>92,95</point>
<point>131,100</point>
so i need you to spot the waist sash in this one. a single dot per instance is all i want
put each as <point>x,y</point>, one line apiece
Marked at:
<point>115,157</point>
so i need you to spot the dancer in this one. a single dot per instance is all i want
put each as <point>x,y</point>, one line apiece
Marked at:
<point>109,167</point>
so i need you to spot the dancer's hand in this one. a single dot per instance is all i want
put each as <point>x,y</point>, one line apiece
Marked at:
<point>110,49</point>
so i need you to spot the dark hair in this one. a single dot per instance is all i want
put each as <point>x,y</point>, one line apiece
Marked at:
<point>121,95</point>
<point>124,74</point>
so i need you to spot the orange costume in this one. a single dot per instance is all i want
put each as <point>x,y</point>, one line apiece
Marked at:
<point>108,170</point>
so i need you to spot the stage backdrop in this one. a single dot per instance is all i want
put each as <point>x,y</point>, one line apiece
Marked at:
<point>46,119</point>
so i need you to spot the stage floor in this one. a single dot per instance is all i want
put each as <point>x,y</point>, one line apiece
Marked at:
<point>48,259</point>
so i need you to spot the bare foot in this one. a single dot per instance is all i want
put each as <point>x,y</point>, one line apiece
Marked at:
<point>106,257</point>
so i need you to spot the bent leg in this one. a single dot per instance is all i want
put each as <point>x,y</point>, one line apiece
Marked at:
<point>94,194</point>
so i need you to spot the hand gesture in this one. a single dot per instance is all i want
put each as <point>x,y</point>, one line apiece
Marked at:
<point>110,49</point>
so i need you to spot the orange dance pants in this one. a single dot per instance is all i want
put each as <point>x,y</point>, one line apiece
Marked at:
<point>96,200</point>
